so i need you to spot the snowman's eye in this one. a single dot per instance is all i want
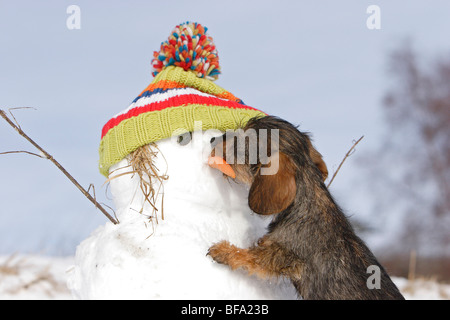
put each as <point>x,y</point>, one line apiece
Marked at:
<point>184,139</point>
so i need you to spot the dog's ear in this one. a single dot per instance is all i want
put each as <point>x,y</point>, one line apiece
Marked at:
<point>272,193</point>
<point>316,157</point>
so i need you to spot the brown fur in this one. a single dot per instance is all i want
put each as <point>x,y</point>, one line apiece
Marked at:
<point>309,240</point>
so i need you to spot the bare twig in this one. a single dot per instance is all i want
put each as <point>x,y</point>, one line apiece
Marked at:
<point>93,190</point>
<point>27,152</point>
<point>46,155</point>
<point>348,154</point>
<point>12,115</point>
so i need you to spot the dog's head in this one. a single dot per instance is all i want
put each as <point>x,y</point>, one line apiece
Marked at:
<point>266,155</point>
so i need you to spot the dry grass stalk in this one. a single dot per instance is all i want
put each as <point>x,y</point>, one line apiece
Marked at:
<point>142,163</point>
<point>412,266</point>
<point>8,267</point>
<point>17,267</point>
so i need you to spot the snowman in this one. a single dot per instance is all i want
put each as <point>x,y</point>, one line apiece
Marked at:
<point>170,204</point>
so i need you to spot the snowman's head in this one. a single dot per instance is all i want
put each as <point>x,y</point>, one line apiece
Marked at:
<point>176,170</point>
<point>160,129</point>
<point>181,94</point>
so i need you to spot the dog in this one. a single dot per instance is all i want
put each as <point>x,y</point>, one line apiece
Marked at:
<point>309,240</point>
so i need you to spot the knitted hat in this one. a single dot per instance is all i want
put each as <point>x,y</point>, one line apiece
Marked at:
<point>181,93</point>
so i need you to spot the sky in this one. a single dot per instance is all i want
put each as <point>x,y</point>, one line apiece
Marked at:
<point>313,63</point>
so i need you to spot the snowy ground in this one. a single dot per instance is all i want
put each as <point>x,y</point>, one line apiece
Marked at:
<point>34,277</point>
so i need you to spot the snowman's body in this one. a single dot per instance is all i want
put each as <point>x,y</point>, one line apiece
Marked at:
<point>166,259</point>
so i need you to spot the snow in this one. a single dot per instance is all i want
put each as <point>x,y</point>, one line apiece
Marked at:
<point>39,277</point>
<point>422,289</point>
<point>34,277</point>
<point>143,258</point>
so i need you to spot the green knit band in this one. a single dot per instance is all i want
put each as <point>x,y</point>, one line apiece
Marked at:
<point>148,127</point>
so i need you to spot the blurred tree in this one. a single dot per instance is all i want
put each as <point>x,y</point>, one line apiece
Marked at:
<point>410,171</point>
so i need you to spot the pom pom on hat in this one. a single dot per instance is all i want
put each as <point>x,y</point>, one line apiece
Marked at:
<point>190,48</point>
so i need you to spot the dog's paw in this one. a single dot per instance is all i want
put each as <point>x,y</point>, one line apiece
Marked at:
<point>222,252</point>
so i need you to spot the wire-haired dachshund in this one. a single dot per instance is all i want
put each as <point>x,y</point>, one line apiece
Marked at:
<point>309,240</point>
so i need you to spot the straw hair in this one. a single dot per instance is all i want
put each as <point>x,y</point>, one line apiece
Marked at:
<point>142,164</point>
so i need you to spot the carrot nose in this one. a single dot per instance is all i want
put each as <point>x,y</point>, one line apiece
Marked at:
<point>220,164</point>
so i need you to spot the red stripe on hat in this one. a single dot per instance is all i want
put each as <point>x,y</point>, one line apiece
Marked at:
<point>177,101</point>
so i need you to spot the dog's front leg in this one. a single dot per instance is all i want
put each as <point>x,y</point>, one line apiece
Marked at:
<point>264,259</point>
<point>226,253</point>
